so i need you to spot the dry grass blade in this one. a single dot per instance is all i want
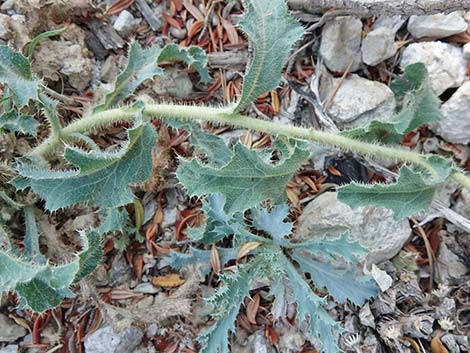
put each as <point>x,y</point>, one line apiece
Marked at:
<point>117,7</point>
<point>215,259</point>
<point>193,10</point>
<point>246,248</point>
<point>252,309</point>
<point>171,280</point>
<point>437,346</point>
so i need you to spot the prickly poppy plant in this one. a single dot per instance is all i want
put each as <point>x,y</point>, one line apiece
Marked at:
<point>242,189</point>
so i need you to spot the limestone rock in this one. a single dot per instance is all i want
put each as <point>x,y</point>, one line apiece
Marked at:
<point>466,51</point>
<point>173,82</point>
<point>341,43</point>
<point>125,23</point>
<point>378,46</point>
<point>374,228</point>
<point>106,340</point>
<point>66,57</point>
<point>451,266</point>
<point>5,27</point>
<point>437,26</point>
<point>9,330</point>
<point>358,101</point>
<point>391,22</point>
<point>455,123</point>
<point>445,63</point>
<point>9,349</point>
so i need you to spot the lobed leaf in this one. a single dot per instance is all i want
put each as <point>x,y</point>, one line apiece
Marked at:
<point>90,257</point>
<point>40,285</point>
<point>17,122</point>
<point>410,194</point>
<point>193,56</point>
<point>245,181</point>
<point>334,247</point>
<point>102,179</point>
<point>226,303</point>
<point>15,72</point>
<point>142,65</point>
<point>273,223</point>
<point>341,284</point>
<point>272,32</point>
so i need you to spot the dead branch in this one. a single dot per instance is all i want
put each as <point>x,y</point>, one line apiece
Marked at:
<point>381,7</point>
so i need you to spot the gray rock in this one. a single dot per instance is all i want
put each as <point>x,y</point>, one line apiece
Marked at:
<point>105,340</point>
<point>466,51</point>
<point>341,43</point>
<point>391,22</point>
<point>462,205</point>
<point>444,62</point>
<point>358,101</point>
<point>374,228</point>
<point>9,330</point>
<point>12,348</point>
<point>259,343</point>
<point>450,265</point>
<point>455,123</point>
<point>378,46</point>
<point>173,82</point>
<point>169,216</point>
<point>5,30</point>
<point>120,272</point>
<point>125,23</point>
<point>7,5</point>
<point>437,26</point>
<point>70,59</point>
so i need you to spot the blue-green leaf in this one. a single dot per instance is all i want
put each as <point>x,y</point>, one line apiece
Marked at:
<point>409,195</point>
<point>245,181</point>
<point>192,56</point>
<point>226,303</point>
<point>341,284</point>
<point>273,222</point>
<point>91,254</point>
<point>272,32</point>
<point>15,72</point>
<point>334,247</point>
<point>102,179</point>
<point>142,65</point>
<point>14,121</point>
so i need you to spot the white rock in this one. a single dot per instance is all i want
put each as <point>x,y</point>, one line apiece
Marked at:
<point>391,22</point>
<point>445,63</point>
<point>174,83</point>
<point>5,30</point>
<point>374,228</point>
<point>359,101</point>
<point>466,51</point>
<point>66,57</point>
<point>125,23</point>
<point>437,26</point>
<point>7,5</point>
<point>341,43</point>
<point>455,123</point>
<point>105,340</point>
<point>378,46</point>
<point>9,330</point>
<point>462,205</point>
<point>9,349</point>
<point>451,266</point>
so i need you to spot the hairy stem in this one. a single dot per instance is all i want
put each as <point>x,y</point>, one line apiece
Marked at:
<point>224,116</point>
